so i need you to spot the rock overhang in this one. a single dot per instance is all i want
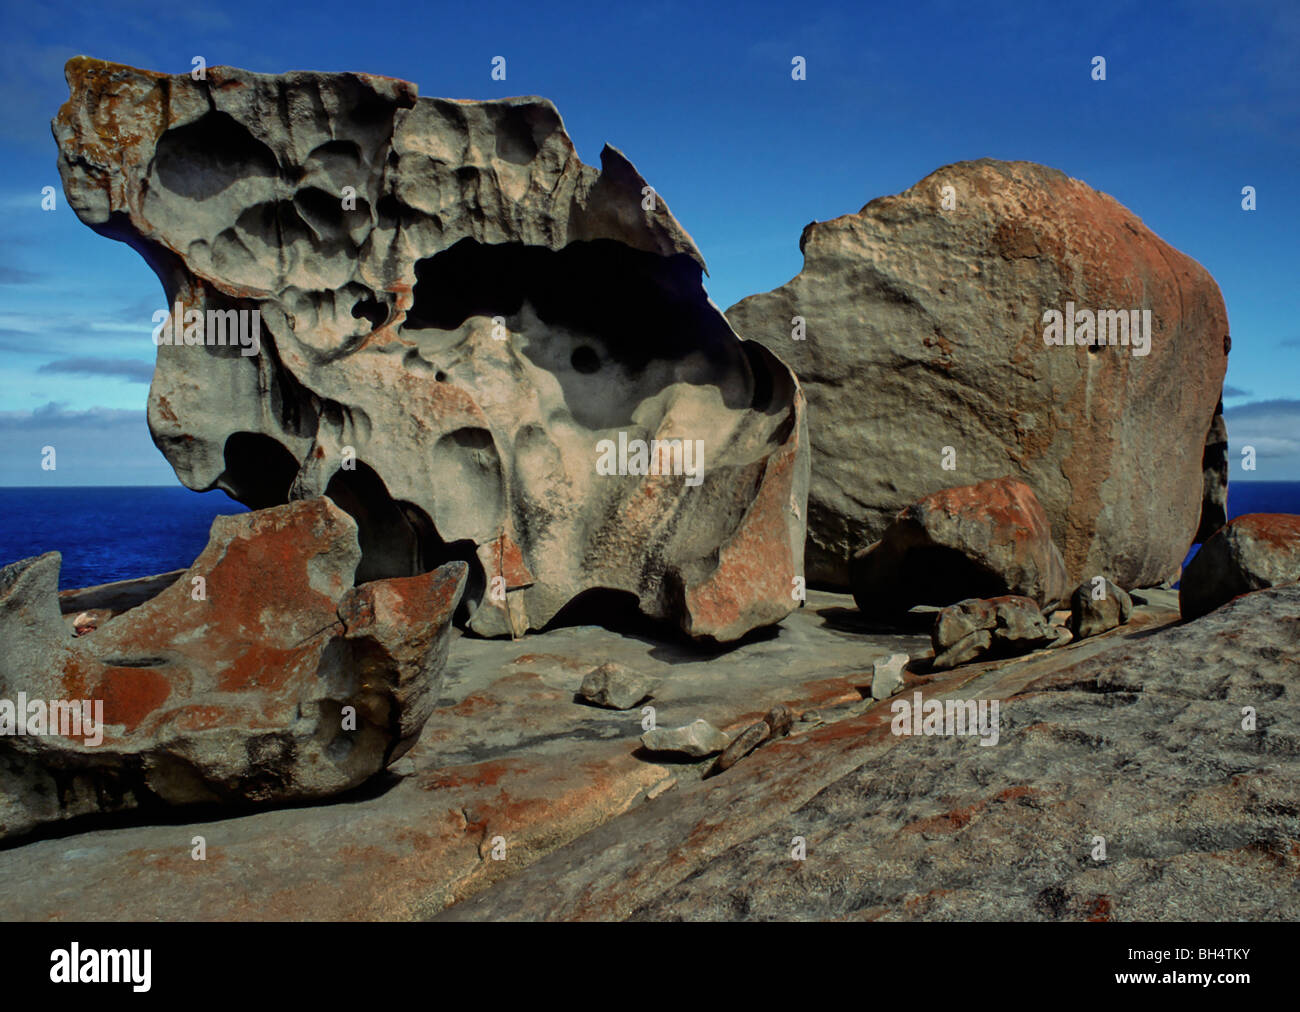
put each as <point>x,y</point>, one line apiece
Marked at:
<point>454,313</point>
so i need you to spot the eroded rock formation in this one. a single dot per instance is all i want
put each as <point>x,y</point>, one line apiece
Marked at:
<point>923,328</point>
<point>230,685</point>
<point>455,315</point>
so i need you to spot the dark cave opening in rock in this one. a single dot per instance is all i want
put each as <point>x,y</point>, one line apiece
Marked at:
<point>259,471</point>
<point>397,538</point>
<point>643,306</point>
<point>934,575</point>
<point>372,310</point>
<point>390,536</point>
<point>205,158</point>
<point>889,582</point>
<point>585,360</point>
<point>613,609</point>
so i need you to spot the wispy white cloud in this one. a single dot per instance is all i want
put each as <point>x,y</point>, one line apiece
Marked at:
<point>95,446</point>
<point>55,414</point>
<point>126,368</point>
<point>17,276</point>
<point>1272,428</point>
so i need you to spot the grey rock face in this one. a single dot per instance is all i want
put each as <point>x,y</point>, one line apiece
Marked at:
<point>1090,615</point>
<point>1254,551</point>
<point>1214,472</point>
<point>462,329</point>
<point>1159,596</point>
<point>887,675</point>
<point>923,328</point>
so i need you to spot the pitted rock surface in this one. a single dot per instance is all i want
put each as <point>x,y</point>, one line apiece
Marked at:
<point>455,313</point>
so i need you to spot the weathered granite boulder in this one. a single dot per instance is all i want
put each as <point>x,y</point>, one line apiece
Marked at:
<point>980,540</point>
<point>1096,608</point>
<point>1251,552</point>
<point>261,674</point>
<point>921,327</point>
<point>465,337</point>
<point>999,626</point>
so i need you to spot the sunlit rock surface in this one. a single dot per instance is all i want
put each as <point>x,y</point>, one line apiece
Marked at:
<point>455,315</point>
<point>923,329</point>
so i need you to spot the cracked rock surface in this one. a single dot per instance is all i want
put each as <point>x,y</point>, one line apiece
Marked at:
<point>1136,737</point>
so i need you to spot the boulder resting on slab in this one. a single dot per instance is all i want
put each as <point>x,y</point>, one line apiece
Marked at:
<point>983,540</point>
<point>1097,607</point>
<point>918,327</point>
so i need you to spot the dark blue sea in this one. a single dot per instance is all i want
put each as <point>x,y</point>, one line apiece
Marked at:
<point>119,533</point>
<point>109,534</point>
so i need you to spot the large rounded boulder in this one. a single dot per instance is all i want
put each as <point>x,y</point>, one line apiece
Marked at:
<point>919,328</point>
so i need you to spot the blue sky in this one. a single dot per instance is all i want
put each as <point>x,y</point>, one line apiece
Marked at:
<point>1200,100</point>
